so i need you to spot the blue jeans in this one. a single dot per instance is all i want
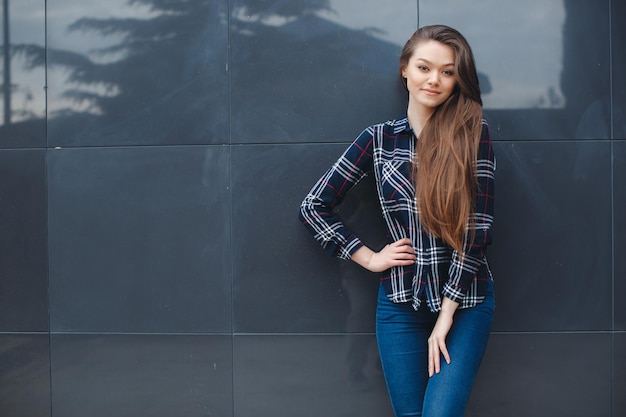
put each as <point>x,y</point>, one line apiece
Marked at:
<point>402,334</point>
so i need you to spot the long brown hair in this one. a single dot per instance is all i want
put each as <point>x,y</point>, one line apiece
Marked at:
<point>444,170</point>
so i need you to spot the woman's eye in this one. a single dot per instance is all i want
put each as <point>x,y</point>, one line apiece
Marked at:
<point>448,72</point>
<point>422,67</point>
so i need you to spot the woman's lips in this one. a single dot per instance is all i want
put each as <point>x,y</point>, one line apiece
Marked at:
<point>430,92</point>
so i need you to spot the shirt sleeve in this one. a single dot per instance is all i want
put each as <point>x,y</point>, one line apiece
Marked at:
<point>316,211</point>
<point>463,269</point>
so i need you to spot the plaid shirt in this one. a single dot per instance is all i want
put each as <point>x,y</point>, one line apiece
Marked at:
<point>387,151</point>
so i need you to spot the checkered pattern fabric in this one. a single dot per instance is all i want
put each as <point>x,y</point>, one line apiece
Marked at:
<point>387,151</point>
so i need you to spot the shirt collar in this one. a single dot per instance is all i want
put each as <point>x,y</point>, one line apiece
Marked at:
<point>404,126</point>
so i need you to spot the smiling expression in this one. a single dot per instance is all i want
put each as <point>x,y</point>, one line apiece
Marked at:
<point>430,75</point>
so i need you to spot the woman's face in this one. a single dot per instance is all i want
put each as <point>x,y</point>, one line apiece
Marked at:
<point>430,74</point>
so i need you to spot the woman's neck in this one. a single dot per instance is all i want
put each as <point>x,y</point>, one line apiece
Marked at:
<point>418,115</point>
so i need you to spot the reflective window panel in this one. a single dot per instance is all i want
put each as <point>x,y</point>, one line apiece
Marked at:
<point>618,41</point>
<point>22,72</point>
<point>137,72</point>
<point>544,65</point>
<point>316,71</point>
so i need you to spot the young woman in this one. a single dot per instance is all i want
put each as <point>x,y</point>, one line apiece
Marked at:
<point>434,172</point>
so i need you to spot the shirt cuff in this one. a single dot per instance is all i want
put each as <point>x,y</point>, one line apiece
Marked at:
<point>347,249</point>
<point>454,292</point>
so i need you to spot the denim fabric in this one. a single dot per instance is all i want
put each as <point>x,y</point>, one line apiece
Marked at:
<point>402,334</point>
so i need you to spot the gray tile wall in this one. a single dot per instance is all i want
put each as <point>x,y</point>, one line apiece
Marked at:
<point>153,156</point>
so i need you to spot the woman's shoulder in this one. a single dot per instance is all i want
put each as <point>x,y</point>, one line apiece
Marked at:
<point>485,134</point>
<point>393,126</point>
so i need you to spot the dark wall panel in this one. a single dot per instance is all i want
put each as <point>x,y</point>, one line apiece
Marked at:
<point>283,281</point>
<point>24,375</point>
<point>619,228</point>
<point>308,375</point>
<point>538,375</point>
<point>619,380</point>
<point>23,249</point>
<point>141,375</point>
<point>551,255</point>
<point>139,239</point>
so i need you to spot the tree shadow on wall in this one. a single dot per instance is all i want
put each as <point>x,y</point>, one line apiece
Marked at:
<point>172,82</point>
<point>169,86</point>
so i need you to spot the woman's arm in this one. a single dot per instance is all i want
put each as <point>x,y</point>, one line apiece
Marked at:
<point>437,340</point>
<point>317,210</point>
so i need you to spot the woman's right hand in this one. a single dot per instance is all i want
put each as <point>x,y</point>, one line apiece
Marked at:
<point>398,253</point>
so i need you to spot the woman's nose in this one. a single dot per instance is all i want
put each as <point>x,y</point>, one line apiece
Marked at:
<point>433,79</point>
